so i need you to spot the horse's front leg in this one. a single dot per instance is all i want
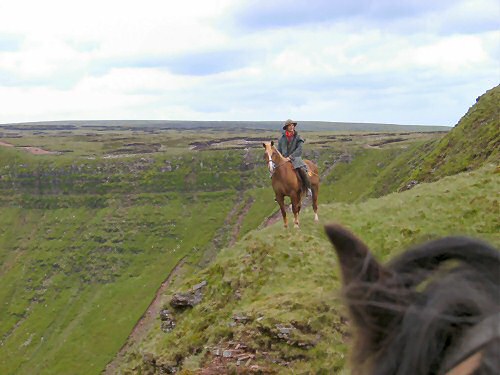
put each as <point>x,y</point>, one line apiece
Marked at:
<point>296,209</point>
<point>315,190</point>
<point>281,201</point>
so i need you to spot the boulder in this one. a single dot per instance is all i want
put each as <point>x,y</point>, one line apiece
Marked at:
<point>167,321</point>
<point>189,299</point>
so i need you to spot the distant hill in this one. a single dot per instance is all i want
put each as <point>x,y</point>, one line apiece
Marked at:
<point>266,125</point>
<point>474,141</point>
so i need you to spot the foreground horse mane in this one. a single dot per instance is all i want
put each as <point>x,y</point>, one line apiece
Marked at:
<point>411,316</point>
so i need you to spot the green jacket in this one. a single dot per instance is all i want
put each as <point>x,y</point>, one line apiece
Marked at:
<point>292,149</point>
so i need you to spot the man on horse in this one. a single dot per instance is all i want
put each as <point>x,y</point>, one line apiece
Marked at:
<point>290,146</point>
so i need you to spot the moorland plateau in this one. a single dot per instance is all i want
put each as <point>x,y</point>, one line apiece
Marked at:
<point>95,217</point>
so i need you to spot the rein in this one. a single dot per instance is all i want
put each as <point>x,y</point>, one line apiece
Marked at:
<point>280,164</point>
<point>274,166</point>
<point>467,357</point>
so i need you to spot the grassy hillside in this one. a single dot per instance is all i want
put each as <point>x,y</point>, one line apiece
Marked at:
<point>86,242</point>
<point>88,235</point>
<point>76,279</point>
<point>373,172</point>
<point>474,141</point>
<point>272,298</point>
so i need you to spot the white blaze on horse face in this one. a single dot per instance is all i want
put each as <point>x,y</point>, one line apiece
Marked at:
<point>270,163</point>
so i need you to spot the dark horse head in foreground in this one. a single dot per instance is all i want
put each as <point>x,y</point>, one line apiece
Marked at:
<point>435,309</point>
<point>287,183</point>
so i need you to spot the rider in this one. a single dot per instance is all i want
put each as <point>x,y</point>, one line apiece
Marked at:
<point>290,146</point>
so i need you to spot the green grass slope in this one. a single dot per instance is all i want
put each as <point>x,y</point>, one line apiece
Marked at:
<point>86,240</point>
<point>373,172</point>
<point>85,244</point>
<point>474,141</point>
<point>75,280</point>
<point>273,298</point>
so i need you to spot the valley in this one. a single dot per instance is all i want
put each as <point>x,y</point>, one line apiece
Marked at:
<point>91,229</point>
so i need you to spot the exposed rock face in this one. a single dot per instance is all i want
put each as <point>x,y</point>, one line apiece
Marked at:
<point>152,366</point>
<point>189,299</point>
<point>167,320</point>
<point>241,318</point>
<point>411,184</point>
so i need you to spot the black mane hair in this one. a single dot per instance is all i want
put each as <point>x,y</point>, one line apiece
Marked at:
<point>412,313</point>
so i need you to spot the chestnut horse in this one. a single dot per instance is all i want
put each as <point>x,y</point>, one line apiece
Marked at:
<point>435,309</point>
<point>287,183</point>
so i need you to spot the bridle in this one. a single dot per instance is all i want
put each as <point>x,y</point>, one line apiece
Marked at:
<point>467,357</point>
<point>271,165</point>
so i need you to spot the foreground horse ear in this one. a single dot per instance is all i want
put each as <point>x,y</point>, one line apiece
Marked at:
<point>272,143</point>
<point>356,261</point>
<point>264,145</point>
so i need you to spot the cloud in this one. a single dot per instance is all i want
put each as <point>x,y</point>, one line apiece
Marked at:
<point>387,61</point>
<point>469,17</point>
<point>195,63</point>
<point>206,63</point>
<point>263,14</point>
<point>409,16</point>
<point>10,42</point>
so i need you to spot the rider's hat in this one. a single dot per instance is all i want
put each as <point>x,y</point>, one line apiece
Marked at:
<point>288,122</point>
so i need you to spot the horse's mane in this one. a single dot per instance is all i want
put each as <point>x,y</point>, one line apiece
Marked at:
<point>275,149</point>
<point>412,314</point>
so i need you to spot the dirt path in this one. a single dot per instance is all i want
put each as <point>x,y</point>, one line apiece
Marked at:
<point>38,150</point>
<point>276,216</point>
<point>30,149</point>
<point>144,324</point>
<point>5,144</point>
<point>239,221</point>
<point>148,319</point>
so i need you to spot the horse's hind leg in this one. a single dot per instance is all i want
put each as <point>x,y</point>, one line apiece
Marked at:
<point>281,202</point>
<point>315,191</point>
<point>296,209</point>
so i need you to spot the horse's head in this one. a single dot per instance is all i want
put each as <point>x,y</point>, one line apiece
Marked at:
<point>435,309</point>
<point>269,152</point>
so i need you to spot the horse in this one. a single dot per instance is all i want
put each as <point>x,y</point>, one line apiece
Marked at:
<point>435,309</point>
<point>286,182</point>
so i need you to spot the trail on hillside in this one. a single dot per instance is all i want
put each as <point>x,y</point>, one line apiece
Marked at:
<point>30,149</point>
<point>144,324</point>
<point>232,225</point>
<point>5,144</point>
<point>237,226</point>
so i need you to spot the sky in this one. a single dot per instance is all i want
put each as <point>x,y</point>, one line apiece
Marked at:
<point>419,62</point>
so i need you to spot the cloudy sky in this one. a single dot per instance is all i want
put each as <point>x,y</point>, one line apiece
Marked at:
<point>390,61</point>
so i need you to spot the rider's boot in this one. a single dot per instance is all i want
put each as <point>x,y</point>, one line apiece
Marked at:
<point>305,178</point>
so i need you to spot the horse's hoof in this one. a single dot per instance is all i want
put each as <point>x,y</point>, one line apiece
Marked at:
<point>296,226</point>
<point>316,218</point>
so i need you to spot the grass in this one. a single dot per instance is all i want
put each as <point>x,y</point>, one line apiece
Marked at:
<point>473,141</point>
<point>289,278</point>
<point>79,276</point>
<point>85,241</point>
